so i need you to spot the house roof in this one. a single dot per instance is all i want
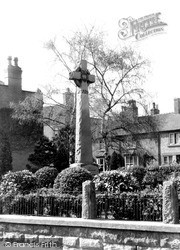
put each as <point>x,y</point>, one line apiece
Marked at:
<point>154,123</point>
<point>167,122</point>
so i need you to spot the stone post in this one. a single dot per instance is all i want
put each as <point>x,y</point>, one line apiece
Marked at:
<point>170,203</point>
<point>88,200</point>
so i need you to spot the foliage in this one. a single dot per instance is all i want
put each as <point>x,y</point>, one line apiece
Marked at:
<point>138,173</point>
<point>17,182</point>
<point>116,161</point>
<point>44,154</point>
<point>70,180</point>
<point>5,154</point>
<point>157,174</point>
<point>65,143</point>
<point>114,182</point>
<point>53,153</point>
<point>29,110</point>
<point>46,176</point>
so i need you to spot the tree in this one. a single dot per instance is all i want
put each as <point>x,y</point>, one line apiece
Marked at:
<point>52,153</point>
<point>119,72</point>
<point>5,154</point>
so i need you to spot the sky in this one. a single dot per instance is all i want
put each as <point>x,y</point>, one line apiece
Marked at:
<point>26,25</point>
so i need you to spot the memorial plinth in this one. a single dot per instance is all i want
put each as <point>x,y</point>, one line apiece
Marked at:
<point>83,139</point>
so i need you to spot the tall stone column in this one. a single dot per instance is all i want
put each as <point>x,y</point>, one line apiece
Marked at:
<point>83,142</point>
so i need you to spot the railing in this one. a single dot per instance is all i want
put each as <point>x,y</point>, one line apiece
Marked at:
<point>69,206</point>
<point>129,207</point>
<point>125,206</point>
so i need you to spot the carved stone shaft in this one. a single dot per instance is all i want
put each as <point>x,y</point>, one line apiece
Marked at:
<point>83,147</point>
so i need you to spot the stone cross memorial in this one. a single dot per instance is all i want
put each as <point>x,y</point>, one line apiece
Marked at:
<point>83,147</point>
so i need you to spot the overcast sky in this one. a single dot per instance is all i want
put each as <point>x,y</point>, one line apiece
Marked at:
<point>27,24</point>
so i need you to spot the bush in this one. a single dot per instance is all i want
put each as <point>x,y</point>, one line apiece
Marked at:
<point>138,173</point>
<point>21,182</point>
<point>114,181</point>
<point>70,180</point>
<point>155,176</point>
<point>46,176</point>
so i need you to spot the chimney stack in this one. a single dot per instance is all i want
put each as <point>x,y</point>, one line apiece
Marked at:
<point>14,80</point>
<point>177,105</point>
<point>131,108</point>
<point>155,110</point>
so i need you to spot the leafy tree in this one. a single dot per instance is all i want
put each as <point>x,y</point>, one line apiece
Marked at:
<point>116,161</point>
<point>5,154</point>
<point>44,154</point>
<point>53,153</point>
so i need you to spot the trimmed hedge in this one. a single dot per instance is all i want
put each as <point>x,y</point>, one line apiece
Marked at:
<point>70,180</point>
<point>46,176</point>
<point>22,182</point>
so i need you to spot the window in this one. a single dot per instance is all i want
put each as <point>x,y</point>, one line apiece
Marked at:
<point>178,159</point>
<point>131,160</point>
<point>168,159</point>
<point>101,162</point>
<point>165,159</point>
<point>174,139</point>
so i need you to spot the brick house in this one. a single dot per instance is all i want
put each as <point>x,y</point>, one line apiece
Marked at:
<point>21,137</point>
<point>162,144</point>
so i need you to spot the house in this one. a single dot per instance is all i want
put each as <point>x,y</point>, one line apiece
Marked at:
<point>159,142</point>
<point>21,137</point>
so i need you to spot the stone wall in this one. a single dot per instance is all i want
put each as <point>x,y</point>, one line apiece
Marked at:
<point>76,234</point>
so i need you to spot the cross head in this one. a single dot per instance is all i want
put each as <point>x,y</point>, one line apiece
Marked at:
<point>81,74</point>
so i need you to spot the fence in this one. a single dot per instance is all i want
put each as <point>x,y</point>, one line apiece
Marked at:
<point>129,207</point>
<point>109,206</point>
<point>64,206</point>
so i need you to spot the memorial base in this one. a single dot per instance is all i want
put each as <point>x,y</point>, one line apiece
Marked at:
<point>93,168</point>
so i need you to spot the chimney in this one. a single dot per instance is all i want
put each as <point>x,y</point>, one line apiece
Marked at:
<point>155,110</point>
<point>68,98</point>
<point>177,105</point>
<point>14,80</point>
<point>131,108</point>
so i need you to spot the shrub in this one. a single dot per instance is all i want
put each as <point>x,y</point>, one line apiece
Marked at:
<point>70,180</point>
<point>157,175</point>
<point>138,173</point>
<point>17,182</point>
<point>114,181</point>
<point>46,176</point>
